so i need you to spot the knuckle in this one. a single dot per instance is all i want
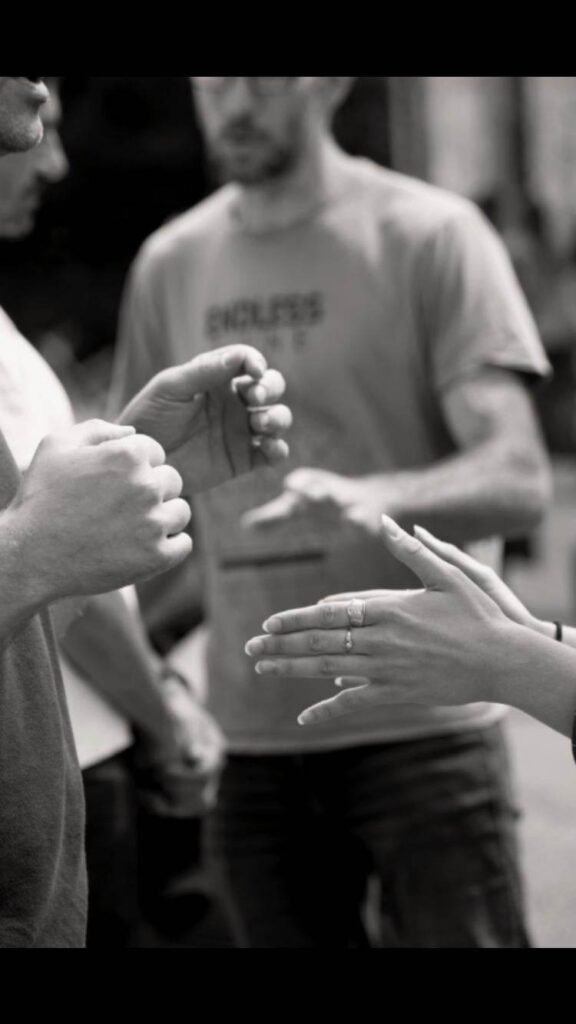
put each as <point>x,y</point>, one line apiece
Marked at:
<point>487,575</point>
<point>315,641</point>
<point>328,615</point>
<point>328,667</point>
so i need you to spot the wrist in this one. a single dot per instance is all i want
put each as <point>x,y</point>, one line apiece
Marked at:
<point>544,628</point>
<point>391,493</point>
<point>22,577</point>
<point>519,657</point>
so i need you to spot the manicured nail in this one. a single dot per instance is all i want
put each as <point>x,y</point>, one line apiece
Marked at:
<point>253,648</point>
<point>272,625</point>
<point>419,531</point>
<point>392,528</point>
<point>267,668</point>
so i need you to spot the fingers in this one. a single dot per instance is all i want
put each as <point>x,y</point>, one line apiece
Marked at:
<point>367,640</point>
<point>361,595</point>
<point>453,555</point>
<point>210,370</point>
<point>142,447</point>
<point>94,432</point>
<point>271,420</point>
<point>313,484</point>
<point>328,616</point>
<point>247,359</point>
<point>433,571</point>
<point>170,482</point>
<point>316,642</point>
<point>344,703</point>
<point>351,682</point>
<point>266,390</point>
<point>274,450</point>
<point>278,510</point>
<point>175,516</point>
<point>325,666</point>
<point>175,549</point>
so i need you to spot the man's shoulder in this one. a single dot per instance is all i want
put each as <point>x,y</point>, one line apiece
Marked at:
<point>410,207</point>
<point>186,233</point>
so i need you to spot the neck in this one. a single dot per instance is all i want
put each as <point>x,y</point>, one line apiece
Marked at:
<point>280,202</point>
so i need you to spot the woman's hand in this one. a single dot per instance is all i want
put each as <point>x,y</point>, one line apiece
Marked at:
<point>449,643</point>
<point>487,579</point>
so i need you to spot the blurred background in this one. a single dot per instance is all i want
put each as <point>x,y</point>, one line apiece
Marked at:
<point>507,143</point>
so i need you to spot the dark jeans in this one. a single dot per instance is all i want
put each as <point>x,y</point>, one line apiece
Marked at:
<point>113,914</point>
<point>294,840</point>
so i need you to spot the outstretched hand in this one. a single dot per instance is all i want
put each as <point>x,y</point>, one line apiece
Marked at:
<point>442,645</point>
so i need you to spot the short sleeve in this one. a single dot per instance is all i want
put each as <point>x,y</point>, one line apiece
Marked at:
<point>473,311</point>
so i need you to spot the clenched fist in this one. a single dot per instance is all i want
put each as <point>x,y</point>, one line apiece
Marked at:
<point>98,508</point>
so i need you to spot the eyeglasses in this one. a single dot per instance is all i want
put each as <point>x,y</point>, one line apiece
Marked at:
<point>258,86</point>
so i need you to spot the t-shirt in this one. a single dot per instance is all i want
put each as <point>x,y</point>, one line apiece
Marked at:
<point>371,308</point>
<point>42,870</point>
<point>33,403</point>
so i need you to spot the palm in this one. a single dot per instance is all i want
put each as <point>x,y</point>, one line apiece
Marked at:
<point>208,439</point>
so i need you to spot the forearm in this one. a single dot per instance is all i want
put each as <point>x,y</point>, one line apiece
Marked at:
<point>22,593</point>
<point>539,678</point>
<point>112,653</point>
<point>478,493</point>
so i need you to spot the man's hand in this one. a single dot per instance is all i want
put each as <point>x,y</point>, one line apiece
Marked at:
<point>337,501</point>
<point>97,509</point>
<point>183,782</point>
<point>216,416</point>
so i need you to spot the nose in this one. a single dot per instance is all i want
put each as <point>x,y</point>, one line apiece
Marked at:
<point>53,163</point>
<point>239,98</point>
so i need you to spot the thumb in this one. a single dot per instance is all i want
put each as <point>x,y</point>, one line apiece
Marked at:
<point>211,370</point>
<point>94,432</point>
<point>434,573</point>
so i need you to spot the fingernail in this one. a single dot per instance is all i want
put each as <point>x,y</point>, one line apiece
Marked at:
<point>392,528</point>
<point>273,625</point>
<point>338,682</point>
<point>420,531</point>
<point>303,719</point>
<point>267,668</point>
<point>253,648</point>
<point>259,396</point>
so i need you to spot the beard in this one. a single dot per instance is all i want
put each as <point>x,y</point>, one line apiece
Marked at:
<point>248,156</point>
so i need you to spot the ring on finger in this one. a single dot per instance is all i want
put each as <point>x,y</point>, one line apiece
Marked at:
<point>356,612</point>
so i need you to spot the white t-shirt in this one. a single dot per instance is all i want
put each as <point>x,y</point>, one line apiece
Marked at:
<point>33,404</point>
